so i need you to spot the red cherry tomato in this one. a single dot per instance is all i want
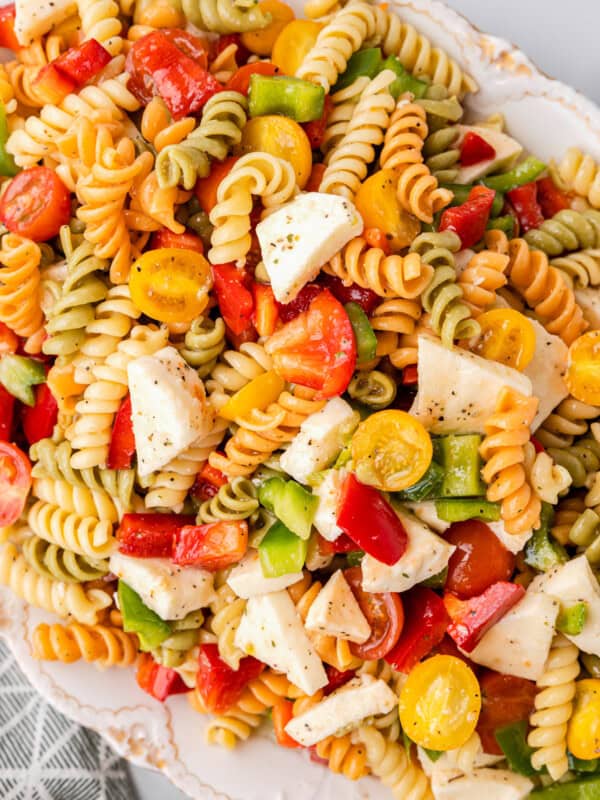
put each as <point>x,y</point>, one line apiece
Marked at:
<point>219,685</point>
<point>36,204</point>
<point>289,311</point>
<point>480,559</point>
<point>8,37</point>
<point>206,188</point>
<point>505,699</point>
<point>183,241</point>
<point>15,482</point>
<point>354,293</point>
<point>384,614</point>
<point>240,80</point>
<point>315,130</point>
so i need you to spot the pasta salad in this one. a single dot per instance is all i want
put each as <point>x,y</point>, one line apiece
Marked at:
<point>300,388</point>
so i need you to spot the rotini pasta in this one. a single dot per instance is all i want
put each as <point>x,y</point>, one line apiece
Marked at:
<point>86,536</point>
<point>224,16</point>
<point>343,104</point>
<point>373,388</point>
<point>585,534</point>
<point>549,480</point>
<point>20,289</point>
<point>404,137</point>
<point>579,173</point>
<point>203,343</point>
<point>568,420</point>
<point>237,499</point>
<point>580,459</point>
<point>566,231</point>
<point>104,645</point>
<point>579,269</point>
<point>390,762</point>
<point>100,21</point>
<point>226,614</point>
<point>53,561</point>
<point>484,275</point>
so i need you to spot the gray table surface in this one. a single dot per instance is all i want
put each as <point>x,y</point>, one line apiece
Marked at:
<point>562,39</point>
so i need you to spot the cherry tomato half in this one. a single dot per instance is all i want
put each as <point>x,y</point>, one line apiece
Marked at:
<point>282,137</point>
<point>15,482</point>
<point>36,204</point>
<point>391,450</point>
<point>206,188</point>
<point>583,736</point>
<point>479,560</point>
<point>293,43</point>
<point>505,699</point>
<point>378,205</point>
<point>170,285</point>
<point>507,336</point>
<point>240,80</point>
<point>583,368</point>
<point>384,614</point>
<point>440,703</point>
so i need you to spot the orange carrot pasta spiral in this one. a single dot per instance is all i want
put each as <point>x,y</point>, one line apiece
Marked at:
<point>403,142</point>
<point>545,290</point>
<point>19,288</point>
<point>418,193</point>
<point>507,433</point>
<point>396,316</point>
<point>387,276</point>
<point>483,276</point>
<point>105,645</point>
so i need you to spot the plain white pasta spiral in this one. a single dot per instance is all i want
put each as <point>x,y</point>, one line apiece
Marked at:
<point>549,480</point>
<point>235,369</point>
<point>87,536</point>
<point>553,708</point>
<point>343,104</point>
<point>389,762</point>
<point>100,21</point>
<point>76,499</point>
<point>580,173</point>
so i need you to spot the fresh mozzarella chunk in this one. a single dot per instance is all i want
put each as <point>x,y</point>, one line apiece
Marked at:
<point>495,784</point>
<point>335,611</point>
<point>589,300</point>
<point>427,513</point>
<point>329,493</point>
<point>34,18</point>
<point>514,542</point>
<point>507,151</point>
<point>360,698</point>
<point>321,438</point>
<point>458,390</point>
<point>520,642</point>
<point>301,236</point>
<point>546,372</point>
<point>169,408</point>
<point>247,579</point>
<point>425,556</point>
<point>169,590</point>
<point>272,631</point>
<point>574,582</point>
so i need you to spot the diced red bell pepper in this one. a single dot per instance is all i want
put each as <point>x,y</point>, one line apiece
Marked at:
<point>343,544</point>
<point>289,311</point>
<point>410,375</point>
<point>315,130</point>
<point>122,441</point>
<point>337,678</point>
<point>182,241</point>
<point>39,420</point>
<point>282,713</point>
<point>7,409</point>
<point>551,198</point>
<point>472,618</point>
<point>53,84</point>
<point>242,53</point>
<point>524,200</point>
<point>425,623</point>
<point>266,315</point>
<point>315,178</point>
<point>220,686</point>
<point>214,546</point>
<point>8,38</point>
<point>370,521</point>
<point>212,476</point>
<point>539,447</point>
<point>150,535</point>
<point>235,299</point>
<point>475,149</point>
<point>82,63</point>
<point>160,682</point>
<point>470,219</point>
<point>354,293</point>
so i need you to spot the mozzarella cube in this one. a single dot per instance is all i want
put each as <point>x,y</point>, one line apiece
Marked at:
<point>425,556</point>
<point>360,698</point>
<point>335,612</point>
<point>301,236</point>
<point>321,438</point>
<point>571,583</point>
<point>427,513</point>
<point>272,631</point>
<point>546,372</point>
<point>329,492</point>
<point>34,18</point>
<point>589,300</point>
<point>247,579</point>
<point>169,590</point>
<point>520,642</point>
<point>507,151</point>
<point>169,409</point>
<point>496,784</point>
<point>514,542</point>
<point>458,390</point>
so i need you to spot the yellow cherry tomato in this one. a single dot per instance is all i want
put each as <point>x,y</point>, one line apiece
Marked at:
<point>293,43</point>
<point>378,205</point>
<point>259,393</point>
<point>261,41</point>
<point>583,735</point>
<point>583,368</point>
<point>440,703</point>
<point>507,336</point>
<point>170,284</point>
<point>282,137</point>
<point>391,450</point>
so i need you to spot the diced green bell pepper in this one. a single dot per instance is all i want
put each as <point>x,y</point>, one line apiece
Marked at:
<point>525,172</point>
<point>433,755</point>
<point>430,485</point>
<point>281,552</point>
<point>364,63</point>
<point>461,195</point>
<point>355,557</point>
<point>437,581</point>
<point>405,82</point>
<point>270,490</point>
<point>571,620</point>
<point>18,374</point>
<point>513,743</point>
<point>505,224</point>
<point>582,789</point>
<point>366,341</point>
<point>138,618</point>
<point>542,552</point>
<point>460,459</point>
<point>579,765</point>
<point>295,98</point>
<point>291,503</point>
<point>460,509</point>
<point>8,167</point>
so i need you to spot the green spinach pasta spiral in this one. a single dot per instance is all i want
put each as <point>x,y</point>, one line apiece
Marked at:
<point>373,388</point>
<point>566,231</point>
<point>580,459</point>
<point>173,651</point>
<point>54,561</point>
<point>203,344</point>
<point>235,500</point>
<point>585,534</point>
<point>580,269</point>
<point>224,16</point>
<point>441,151</point>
